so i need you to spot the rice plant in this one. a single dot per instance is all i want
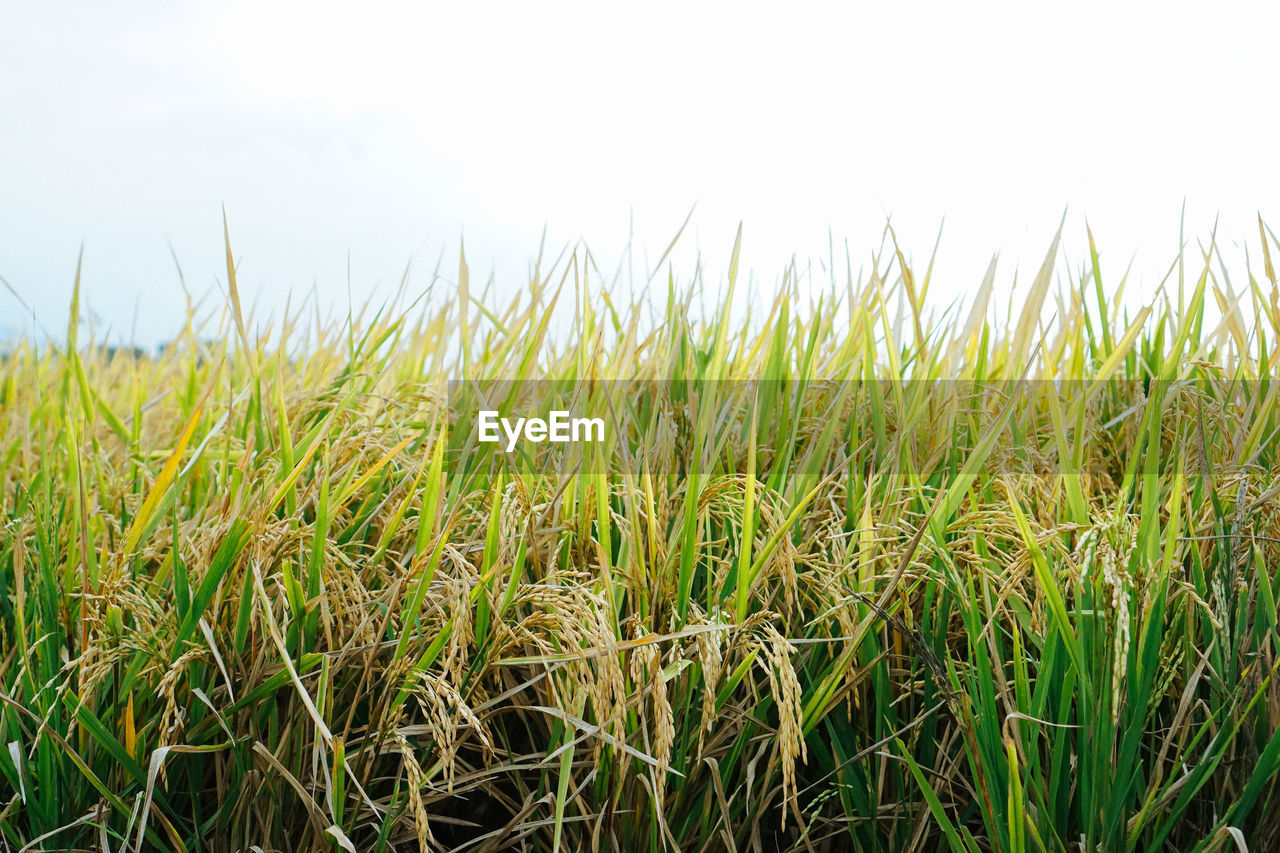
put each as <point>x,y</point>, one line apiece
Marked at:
<point>852,569</point>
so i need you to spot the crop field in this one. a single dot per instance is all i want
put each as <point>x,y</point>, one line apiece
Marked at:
<point>851,568</point>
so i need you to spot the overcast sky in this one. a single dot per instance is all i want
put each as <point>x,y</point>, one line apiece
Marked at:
<point>379,132</point>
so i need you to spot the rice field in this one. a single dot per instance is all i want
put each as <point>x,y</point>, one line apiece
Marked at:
<point>857,569</point>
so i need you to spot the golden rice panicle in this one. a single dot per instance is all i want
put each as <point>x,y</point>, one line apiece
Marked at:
<point>416,783</point>
<point>646,670</point>
<point>664,729</point>
<point>447,716</point>
<point>708,644</point>
<point>775,660</point>
<point>457,653</point>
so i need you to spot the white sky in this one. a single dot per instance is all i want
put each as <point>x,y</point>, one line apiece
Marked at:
<point>386,133</point>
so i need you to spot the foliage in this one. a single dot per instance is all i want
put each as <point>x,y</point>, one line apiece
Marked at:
<point>935,582</point>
